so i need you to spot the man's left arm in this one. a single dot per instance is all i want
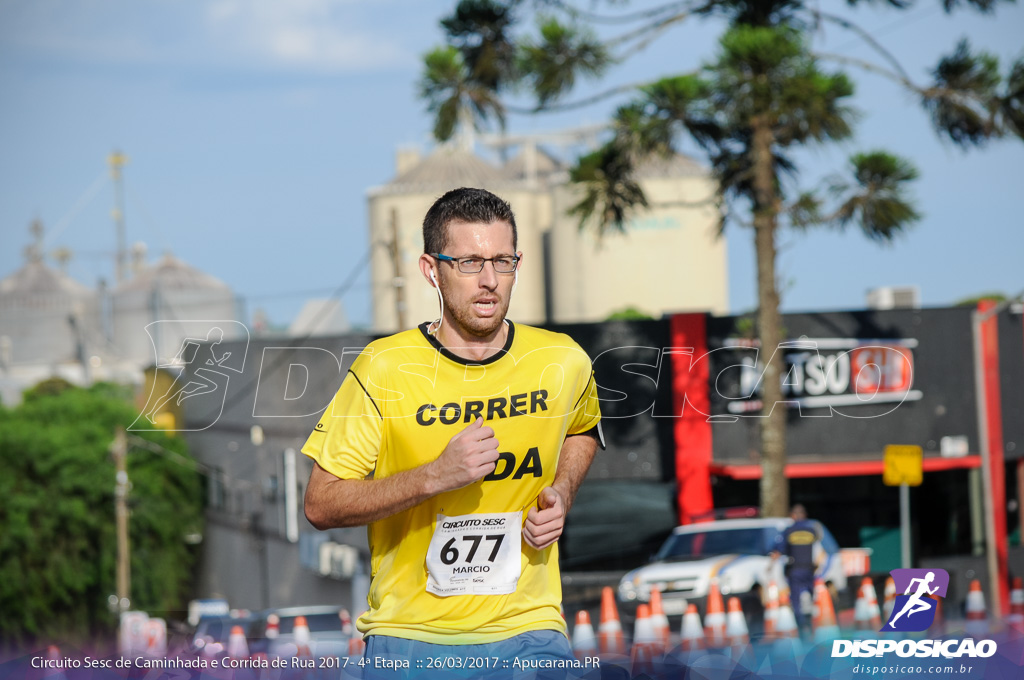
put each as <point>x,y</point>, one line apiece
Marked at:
<point>544,524</point>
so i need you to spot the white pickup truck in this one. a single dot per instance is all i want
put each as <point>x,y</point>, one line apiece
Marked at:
<point>737,552</point>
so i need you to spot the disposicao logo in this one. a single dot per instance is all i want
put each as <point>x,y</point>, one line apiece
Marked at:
<point>914,610</point>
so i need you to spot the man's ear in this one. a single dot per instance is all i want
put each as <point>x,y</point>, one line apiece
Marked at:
<point>427,269</point>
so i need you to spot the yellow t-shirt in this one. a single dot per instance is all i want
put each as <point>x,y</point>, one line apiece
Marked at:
<point>402,401</point>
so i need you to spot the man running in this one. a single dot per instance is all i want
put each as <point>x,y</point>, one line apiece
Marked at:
<point>461,444</point>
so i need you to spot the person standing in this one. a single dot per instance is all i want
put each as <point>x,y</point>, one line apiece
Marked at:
<point>461,444</point>
<point>798,545</point>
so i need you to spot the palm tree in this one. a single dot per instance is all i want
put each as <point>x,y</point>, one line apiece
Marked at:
<point>762,96</point>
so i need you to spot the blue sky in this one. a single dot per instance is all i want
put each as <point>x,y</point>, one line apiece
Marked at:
<point>254,130</point>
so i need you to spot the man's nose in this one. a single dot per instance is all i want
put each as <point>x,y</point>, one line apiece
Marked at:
<point>489,276</point>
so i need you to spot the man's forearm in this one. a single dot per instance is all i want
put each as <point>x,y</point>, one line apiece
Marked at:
<point>332,502</point>
<point>573,462</point>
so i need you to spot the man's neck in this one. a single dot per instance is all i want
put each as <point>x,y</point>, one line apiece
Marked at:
<point>471,346</point>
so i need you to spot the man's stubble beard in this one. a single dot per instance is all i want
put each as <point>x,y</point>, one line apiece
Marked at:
<point>470,324</point>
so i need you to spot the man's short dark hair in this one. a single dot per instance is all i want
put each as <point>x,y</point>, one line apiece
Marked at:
<point>464,205</point>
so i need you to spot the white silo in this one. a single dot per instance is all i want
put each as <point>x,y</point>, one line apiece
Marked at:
<point>47,317</point>
<point>176,296</point>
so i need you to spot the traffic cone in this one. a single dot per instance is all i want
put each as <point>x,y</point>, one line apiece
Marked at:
<point>646,645</point>
<point>875,614</point>
<point>346,622</point>
<point>824,620</point>
<point>273,627</point>
<point>609,631</point>
<point>238,648</point>
<point>584,642</point>
<point>691,637</point>
<point>867,616</point>
<point>938,627</point>
<point>300,632</point>
<point>977,618</point>
<point>1016,618</point>
<point>860,612</point>
<point>787,634</point>
<point>53,672</point>
<point>771,612</point>
<point>714,619</point>
<point>736,632</point>
<point>785,625</point>
<point>659,620</point>
<point>890,598</point>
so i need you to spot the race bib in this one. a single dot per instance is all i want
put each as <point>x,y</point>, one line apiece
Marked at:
<point>475,554</point>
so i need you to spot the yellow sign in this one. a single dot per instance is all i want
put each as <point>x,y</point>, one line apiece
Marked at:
<point>902,465</point>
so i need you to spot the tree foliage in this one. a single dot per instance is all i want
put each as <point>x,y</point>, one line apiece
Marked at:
<point>58,546</point>
<point>764,95</point>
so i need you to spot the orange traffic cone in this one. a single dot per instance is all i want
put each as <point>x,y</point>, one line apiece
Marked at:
<point>787,645</point>
<point>646,645</point>
<point>890,598</point>
<point>584,642</point>
<point>771,612</point>
<point>1016,618</point>
<point>273,627</point>
<point>691,636</point>
<point>875,614</point>
<point>736,633</point>
<point>785,625</point>
<point>867,616</point>
<point>345,619</point>
<point>714,619</point>
<point>609,631</point>
<point>977,618</point>
<point>300,632</point>
<point>238,648</point>
<point>659,620</point>
<point>824,620</point>
<point>53,670</point>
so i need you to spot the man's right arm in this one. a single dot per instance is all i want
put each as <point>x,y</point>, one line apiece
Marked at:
<point>333,502</point>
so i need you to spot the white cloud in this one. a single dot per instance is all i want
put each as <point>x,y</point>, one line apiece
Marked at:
<point>322,35</point>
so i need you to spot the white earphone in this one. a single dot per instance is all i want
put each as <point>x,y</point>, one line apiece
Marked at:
<point>440,298</point>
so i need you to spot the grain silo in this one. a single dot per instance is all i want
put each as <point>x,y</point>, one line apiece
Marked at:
<point>158,307</point>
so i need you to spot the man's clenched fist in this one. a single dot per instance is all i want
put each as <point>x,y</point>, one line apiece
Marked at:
<point>470,455</point>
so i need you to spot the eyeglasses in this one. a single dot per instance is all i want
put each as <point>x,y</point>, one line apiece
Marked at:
<point>503,264</point>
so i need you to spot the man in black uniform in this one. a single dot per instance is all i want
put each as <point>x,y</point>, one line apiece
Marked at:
<point>798,546</point>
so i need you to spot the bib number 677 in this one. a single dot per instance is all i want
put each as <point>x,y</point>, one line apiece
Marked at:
<point>450,554</point>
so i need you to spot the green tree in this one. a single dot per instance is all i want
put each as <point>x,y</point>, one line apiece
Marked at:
<point>58,546</point>
<point>763,96</point>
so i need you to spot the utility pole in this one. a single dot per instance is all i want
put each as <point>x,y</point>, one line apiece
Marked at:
<point>396,264</point>
<point>119,450</point>
<point>117,160</point>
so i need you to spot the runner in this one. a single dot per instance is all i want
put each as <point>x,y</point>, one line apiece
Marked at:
<point>461,443</point>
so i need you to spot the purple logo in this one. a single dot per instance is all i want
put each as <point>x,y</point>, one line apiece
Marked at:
<point>914,610</point>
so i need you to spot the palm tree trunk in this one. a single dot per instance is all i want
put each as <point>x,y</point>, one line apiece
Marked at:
<point>774,487</point>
